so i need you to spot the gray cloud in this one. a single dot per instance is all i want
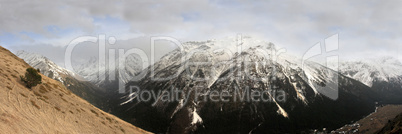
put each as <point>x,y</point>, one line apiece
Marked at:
<point>86,50</point>
<point>364,26</point>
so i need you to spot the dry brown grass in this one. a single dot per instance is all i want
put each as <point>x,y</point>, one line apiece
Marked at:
<point>34,104</point>
<point>93,111</point>
<point>13,75</point>
<point>47,86</point>
<point>43,99</point>
<point>42,89</point>
<point>24,95</point>
<point>121,129</point>
<point>64,100</point>
<point>37,94</point>
<point>110,120</point>
<point>57,108</point>
<point>82,110</point>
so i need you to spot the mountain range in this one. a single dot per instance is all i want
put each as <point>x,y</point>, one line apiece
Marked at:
<point>216,66</point>
<point>315,96</point>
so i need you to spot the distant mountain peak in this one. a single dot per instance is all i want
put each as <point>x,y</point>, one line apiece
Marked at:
<point>370,70</point>
<point>90,70</point>
<point>46,66</point>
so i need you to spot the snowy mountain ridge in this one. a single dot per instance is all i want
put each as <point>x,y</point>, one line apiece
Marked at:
<point>90,70</point>
<point>46,66</point>
<point>367,71</point>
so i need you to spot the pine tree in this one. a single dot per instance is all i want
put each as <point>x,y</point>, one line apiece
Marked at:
<point>31,78</point>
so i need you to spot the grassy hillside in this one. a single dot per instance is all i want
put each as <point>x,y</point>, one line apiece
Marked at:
<point>393,126</point>
<point>373,122</point>
<point>48,107</point>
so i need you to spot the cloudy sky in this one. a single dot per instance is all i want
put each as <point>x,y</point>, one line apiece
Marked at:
<point>366,28</point>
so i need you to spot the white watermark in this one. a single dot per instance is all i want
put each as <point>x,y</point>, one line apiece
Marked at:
<point>178,95</point>
<point>266,57</point>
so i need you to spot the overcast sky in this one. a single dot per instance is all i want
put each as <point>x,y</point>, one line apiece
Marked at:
<point>365,27</point>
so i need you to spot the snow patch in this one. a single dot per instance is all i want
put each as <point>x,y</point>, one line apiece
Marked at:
<point>196,117</point>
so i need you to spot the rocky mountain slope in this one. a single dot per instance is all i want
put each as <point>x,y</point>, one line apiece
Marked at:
<point>312,96</point>
<point>70,80</point>
<point>49,107</point>
<point>384,75</point>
